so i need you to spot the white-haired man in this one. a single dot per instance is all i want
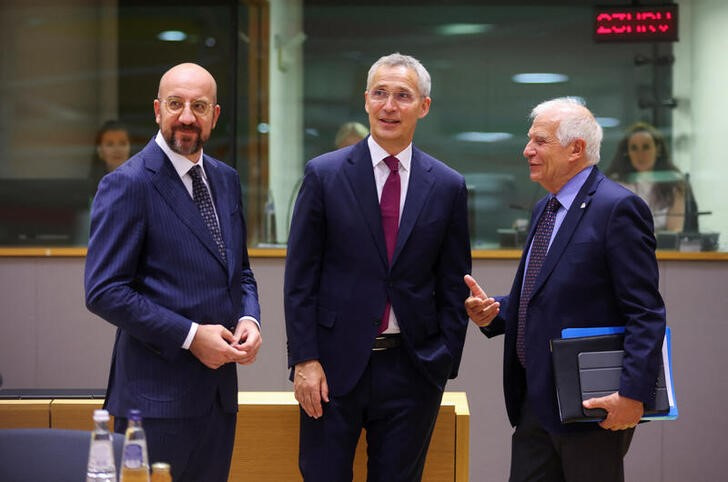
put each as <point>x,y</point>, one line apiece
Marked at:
<point>589,261</point>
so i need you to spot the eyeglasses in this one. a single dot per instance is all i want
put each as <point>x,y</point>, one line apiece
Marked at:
<point>401,97</point>
<point>176,105</point>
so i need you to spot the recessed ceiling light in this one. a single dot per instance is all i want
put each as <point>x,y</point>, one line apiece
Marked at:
<point>463,28</point>
<point>540,78</point>
<point>172,36</point>
<point>483,136</point>
<point>607,121</point>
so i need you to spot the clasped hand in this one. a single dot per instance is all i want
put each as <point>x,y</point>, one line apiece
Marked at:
<point>215,345</point>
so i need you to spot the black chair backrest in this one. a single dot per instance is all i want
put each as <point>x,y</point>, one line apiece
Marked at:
<point>40,454</point>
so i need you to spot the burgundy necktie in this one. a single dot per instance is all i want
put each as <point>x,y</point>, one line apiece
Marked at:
<point>389,205</point>
<point>539,247</point>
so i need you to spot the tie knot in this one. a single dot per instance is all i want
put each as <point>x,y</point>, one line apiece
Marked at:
<point>195,172</point>
<point>553,204</point>
<point>392,163</point>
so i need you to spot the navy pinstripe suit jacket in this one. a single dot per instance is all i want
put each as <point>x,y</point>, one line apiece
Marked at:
<point>152,269</point>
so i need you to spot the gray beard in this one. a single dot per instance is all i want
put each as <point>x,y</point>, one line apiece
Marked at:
<point>174,145</point>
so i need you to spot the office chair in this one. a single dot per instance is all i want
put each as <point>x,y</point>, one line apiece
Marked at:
<point>35,454</point>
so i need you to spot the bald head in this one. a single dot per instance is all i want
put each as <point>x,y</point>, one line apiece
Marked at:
<point>187,75</point>
<point>187,128</point>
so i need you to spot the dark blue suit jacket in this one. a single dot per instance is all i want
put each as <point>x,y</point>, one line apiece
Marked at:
<point>152,269</point>
<point>600,270</point>
<point>338,278</point>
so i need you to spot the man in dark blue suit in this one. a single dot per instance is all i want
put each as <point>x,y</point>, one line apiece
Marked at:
<point>599,270</point>
<point>373,288</point>
<point>167,264</point>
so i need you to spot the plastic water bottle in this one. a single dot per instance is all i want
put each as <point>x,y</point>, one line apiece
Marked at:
<point>101,466</point>
<point>134,459</point>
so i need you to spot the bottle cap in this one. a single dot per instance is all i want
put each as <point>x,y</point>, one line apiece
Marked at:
<point>161,467</point>
<point>101,415</point>
<point>134,414</point>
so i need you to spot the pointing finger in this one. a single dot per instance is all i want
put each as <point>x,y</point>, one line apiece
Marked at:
<point>475,289</point>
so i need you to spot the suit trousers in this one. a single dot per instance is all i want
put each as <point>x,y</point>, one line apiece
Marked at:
<point>396,405</point>
<point>197,449</point>
<point>593,455</point>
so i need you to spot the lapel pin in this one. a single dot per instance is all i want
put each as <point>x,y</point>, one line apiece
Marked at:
<point>583,205</point>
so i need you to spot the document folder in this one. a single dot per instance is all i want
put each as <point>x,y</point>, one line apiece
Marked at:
<point>588,364</point>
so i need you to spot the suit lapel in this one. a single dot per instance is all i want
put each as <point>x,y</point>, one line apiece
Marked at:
<point>222,206</point>
<point>568,226</point>
<point>359,172</point>
<point>170,187</point>
<point>420,184</point>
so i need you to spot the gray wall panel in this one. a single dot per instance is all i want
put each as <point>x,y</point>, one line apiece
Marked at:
<point>49,340</point>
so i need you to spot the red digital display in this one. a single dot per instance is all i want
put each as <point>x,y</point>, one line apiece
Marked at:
<point>632,23</point>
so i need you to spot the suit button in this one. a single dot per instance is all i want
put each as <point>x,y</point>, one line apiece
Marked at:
<point>377,322</point>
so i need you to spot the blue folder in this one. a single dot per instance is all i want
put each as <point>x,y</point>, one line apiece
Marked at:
<point>672,414</point>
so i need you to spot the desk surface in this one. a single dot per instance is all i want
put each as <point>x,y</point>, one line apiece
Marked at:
<point>266,443</point>
<point>457,399</point>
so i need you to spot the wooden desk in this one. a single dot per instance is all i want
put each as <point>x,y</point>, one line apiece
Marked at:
<point>25,413</point>
<point>75,414</point>
<point>266,439</point>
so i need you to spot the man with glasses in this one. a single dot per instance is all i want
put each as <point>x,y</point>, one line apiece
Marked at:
<point>373,288</point>
<point>589,262</point>
<point>167,264</point>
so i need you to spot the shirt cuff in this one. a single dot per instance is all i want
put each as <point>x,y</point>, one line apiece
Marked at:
<point>190,336</point>
<point>251,319</point>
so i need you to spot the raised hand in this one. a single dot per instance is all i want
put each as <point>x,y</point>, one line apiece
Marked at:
<point>481,309</point>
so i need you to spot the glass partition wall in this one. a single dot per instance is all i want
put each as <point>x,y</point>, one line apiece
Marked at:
<point>290,73</point>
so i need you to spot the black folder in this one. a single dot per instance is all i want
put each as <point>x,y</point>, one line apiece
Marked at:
<point>591,366</point>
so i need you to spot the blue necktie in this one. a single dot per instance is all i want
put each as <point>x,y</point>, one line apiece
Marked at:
<point>539,247</point>
<point>204,203</point>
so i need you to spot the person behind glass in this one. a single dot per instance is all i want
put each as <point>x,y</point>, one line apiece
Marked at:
<point>112,148</point>
<point>589,261</point>
<point>642,164</point>
<point>373,292</point>
<point>167,264</point>
<point>350,133</point>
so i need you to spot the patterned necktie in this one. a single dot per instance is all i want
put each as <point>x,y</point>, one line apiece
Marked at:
<point>204,203</point>
<point>389,205</point>
<point>539,247</point>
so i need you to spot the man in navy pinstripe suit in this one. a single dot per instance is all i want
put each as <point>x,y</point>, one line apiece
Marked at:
<point>180,291</point>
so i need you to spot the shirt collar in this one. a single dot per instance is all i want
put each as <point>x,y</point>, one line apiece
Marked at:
<point>181,164</point>
<point>378,154</point>
<point>572,187</point>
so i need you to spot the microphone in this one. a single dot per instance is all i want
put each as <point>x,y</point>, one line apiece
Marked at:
<point>691,208</point>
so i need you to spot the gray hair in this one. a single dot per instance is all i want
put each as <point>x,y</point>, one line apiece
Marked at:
<point>575,122</point>
<point>395,60</point>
